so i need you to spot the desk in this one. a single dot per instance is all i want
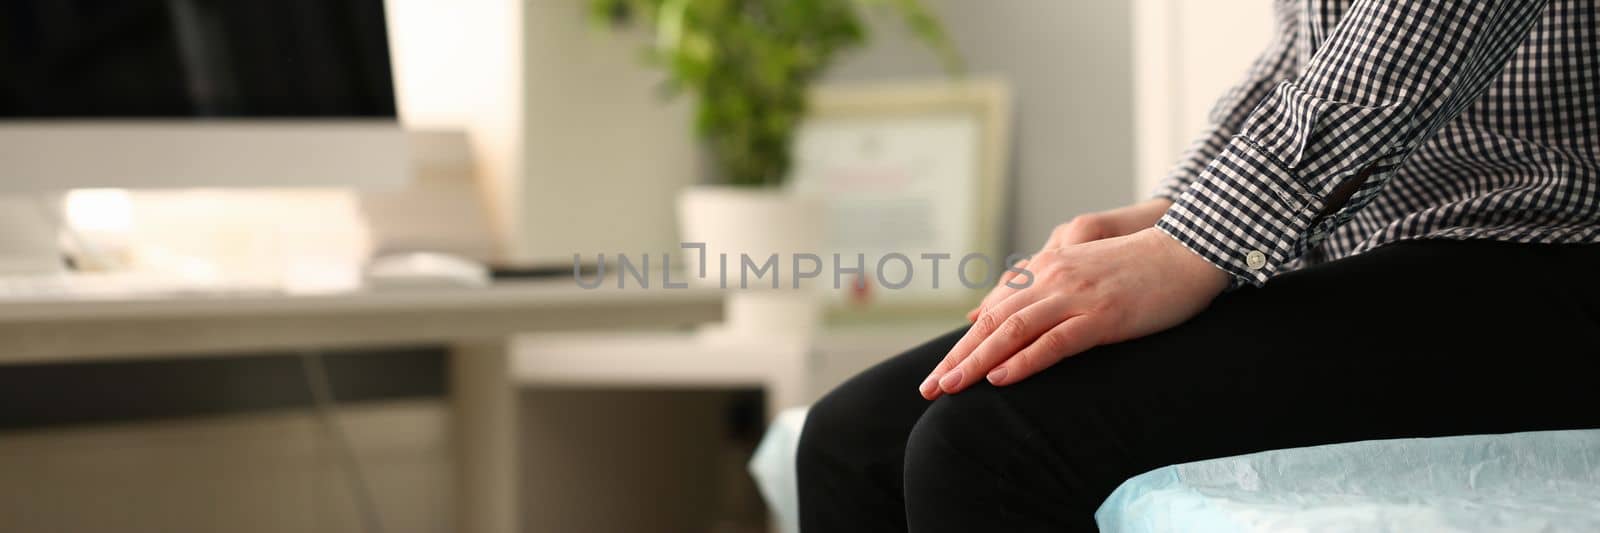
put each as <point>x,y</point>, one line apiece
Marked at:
<point>476,322</point>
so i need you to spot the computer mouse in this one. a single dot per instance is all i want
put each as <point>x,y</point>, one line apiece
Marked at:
<point>425,269</point>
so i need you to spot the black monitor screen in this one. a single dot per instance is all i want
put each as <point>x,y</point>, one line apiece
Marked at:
<point>194,58</point>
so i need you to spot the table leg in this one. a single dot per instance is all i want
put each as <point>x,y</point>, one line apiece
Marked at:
<point>485,438</point>
<point>788,382</point>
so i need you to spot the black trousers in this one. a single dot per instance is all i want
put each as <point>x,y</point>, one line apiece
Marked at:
<point>1418,339</point>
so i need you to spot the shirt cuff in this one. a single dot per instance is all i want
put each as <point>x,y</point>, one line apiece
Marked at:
<point>1246,214</point>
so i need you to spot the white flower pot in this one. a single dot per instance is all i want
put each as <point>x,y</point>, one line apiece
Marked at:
<point>737,223</point>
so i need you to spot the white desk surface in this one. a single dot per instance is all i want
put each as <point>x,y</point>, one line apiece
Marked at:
<point>99,329</point>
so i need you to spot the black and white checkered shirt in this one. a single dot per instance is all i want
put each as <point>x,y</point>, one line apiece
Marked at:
<point>1375,121</point>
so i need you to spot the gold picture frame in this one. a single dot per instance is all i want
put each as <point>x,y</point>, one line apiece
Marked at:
<point>963,123</point>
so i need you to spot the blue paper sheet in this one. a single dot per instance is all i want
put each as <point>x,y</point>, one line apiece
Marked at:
<point>1539,481</point>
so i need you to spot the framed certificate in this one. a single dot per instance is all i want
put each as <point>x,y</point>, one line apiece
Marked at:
<point>913,182</point>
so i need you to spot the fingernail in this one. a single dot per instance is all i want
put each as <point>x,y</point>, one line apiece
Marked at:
<point>950,381</point>
<point>927,385</point>
<point>998,375</point>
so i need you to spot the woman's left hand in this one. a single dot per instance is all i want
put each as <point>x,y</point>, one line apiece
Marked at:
<point>1080,296</point>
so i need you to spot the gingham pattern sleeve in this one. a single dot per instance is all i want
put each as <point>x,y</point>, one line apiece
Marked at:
<point>1275,64</point>
<point>1318,147</point>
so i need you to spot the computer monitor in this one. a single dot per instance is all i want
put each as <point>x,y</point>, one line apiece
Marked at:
<point>196,93</point>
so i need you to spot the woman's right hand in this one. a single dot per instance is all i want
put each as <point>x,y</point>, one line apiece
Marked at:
<point>1090,227</point>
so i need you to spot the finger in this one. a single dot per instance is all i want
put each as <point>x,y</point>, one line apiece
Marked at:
<point>1016,333</point>
<point>985,325</point>
<point>1007,274</point>
<point>1000,293</point>
<point>1082,233</point>
<point>1065,340</point>
<point>994,294</point>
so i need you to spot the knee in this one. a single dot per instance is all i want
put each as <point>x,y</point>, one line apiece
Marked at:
<point>976,463</point>
<point>962,435</point>
<point>969,463</point>
<point>828,424</point>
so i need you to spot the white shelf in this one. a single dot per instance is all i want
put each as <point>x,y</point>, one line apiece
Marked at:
<point>657,359</point>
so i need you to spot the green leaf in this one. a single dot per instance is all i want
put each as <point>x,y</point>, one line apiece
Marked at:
<point>748,63</point>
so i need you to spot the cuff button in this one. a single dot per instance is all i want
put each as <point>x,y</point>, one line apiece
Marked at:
<point>1255,260</point>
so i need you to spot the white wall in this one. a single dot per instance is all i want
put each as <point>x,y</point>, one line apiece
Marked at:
<point>596,130</point>
<point>1183,63</point>
<point>457,65</point>
<point>564,116</point>
<point>1069,66</point>
<point>605,155</point>
<point>1108,94</point>
<point>577,152</point>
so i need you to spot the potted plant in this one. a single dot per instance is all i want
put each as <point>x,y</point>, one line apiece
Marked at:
<point>748,64</point>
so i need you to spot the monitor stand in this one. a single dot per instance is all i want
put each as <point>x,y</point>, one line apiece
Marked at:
<point>30,229</point>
